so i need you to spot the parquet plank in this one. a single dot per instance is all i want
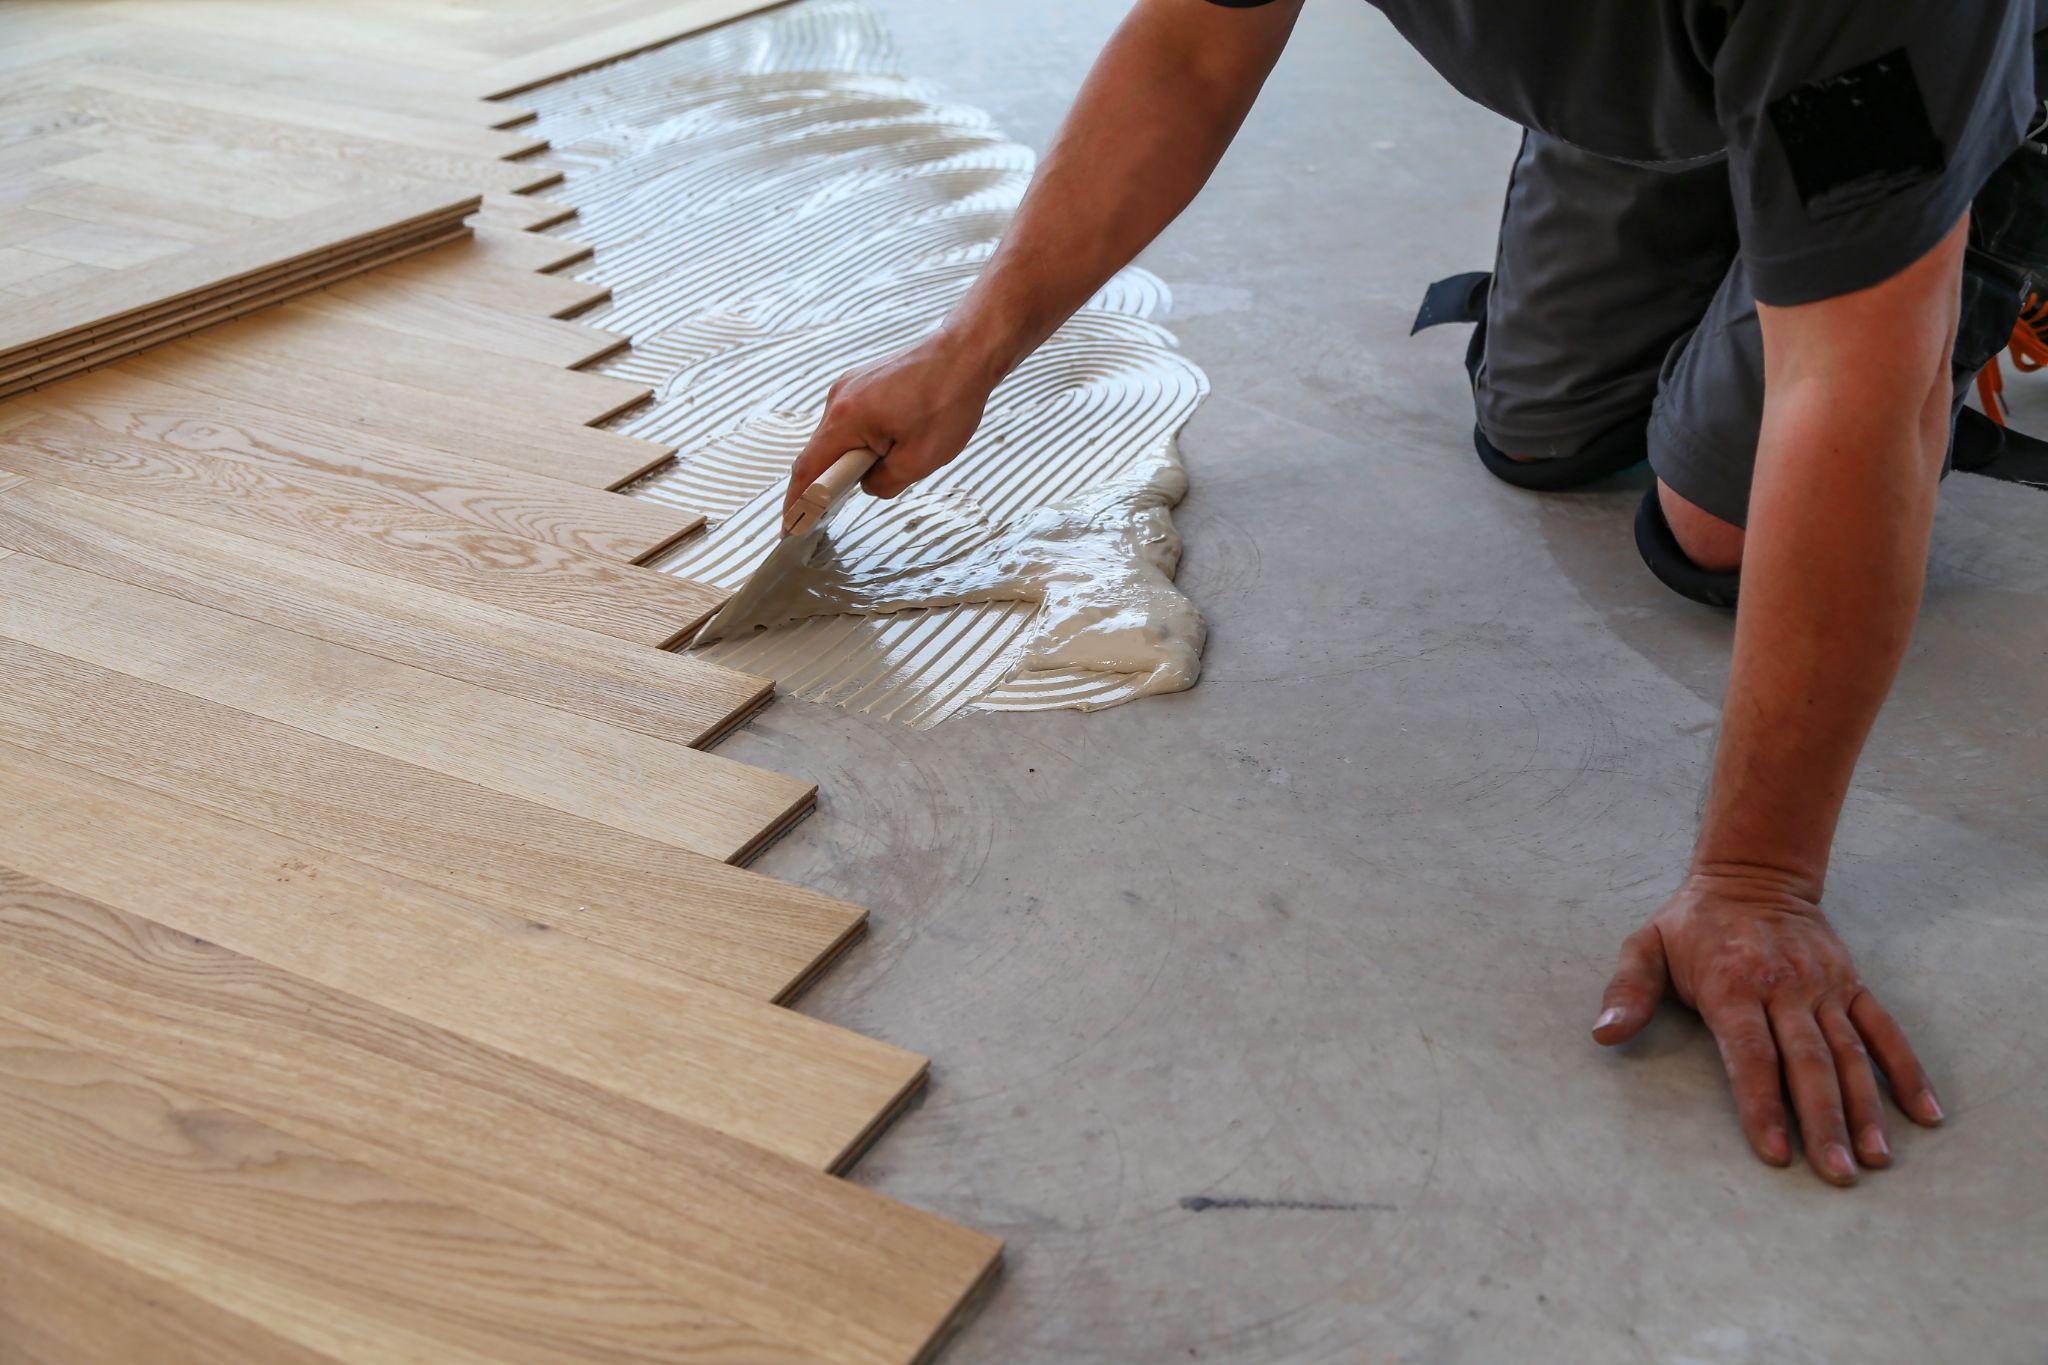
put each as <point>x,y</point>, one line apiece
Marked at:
<point>205,267</point>
<point>360,121</point>
<point>366,466</point>
<point>516,249</point>
<point>290,152</point>
<point>464,270</point>
<point>62,1303</point>
<point>315,1248</point>
<point>830,1266</point>
<point>670,696</point>
<point>758,1072</point>
<point>408,308</point>
<point>656,789</point>
<point>523,212</point>
<point>477,426</point>
<point>546,581</point>
<point>298,334</point>
<point>647,902</point>
<point>596,42</point>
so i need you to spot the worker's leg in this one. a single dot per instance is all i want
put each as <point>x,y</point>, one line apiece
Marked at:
<point>1709,410</point>
<point>1602,268</point>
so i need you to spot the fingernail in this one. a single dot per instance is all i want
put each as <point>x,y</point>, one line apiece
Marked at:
<point>1777,1146</point>
<point>1933,1106</point>
<point>1873,1141</point>
<point>1838,1161</point>
<point>1613,1016</point>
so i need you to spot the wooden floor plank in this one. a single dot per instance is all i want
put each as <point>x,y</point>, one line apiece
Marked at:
<point>525,212</point>
<point>516,249</point>
<point>298,334</point>
<point>368,466</point>
<point>467,271</point>
<point>546,581</point>
<point>831,1266</point>
<point>595,43</point>
<point>648,902</point>
<point>650,787</point>
<point>454,137</point>
<point>476,426</point>
<point>129,291</point>
<point>321,1250</point>
<point>62,1303</point>
<point>668,695</point>
<point>397,304</point>
<point>758,1072</point>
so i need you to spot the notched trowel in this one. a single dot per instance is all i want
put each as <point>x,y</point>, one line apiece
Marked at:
<point>802,530</point>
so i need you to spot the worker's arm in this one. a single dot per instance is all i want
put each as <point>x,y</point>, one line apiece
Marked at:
<point>1855,428</point>
<point>1153,118</point>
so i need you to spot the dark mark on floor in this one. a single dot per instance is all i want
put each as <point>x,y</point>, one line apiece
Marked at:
<point>1202,1203</point>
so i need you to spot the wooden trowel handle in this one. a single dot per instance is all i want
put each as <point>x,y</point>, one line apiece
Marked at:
<point>829,487</point>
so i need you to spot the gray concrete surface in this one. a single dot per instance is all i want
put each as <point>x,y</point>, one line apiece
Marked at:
<point>1320,941</point>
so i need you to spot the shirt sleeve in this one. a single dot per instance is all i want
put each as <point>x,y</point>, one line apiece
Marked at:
<point>1858,134</point>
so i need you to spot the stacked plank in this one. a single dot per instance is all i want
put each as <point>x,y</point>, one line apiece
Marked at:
<point>380,977</point>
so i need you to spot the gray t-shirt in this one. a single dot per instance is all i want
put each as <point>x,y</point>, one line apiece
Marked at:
<point>1856,131</point>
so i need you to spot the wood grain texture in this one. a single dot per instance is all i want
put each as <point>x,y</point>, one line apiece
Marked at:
<point>646,901</point>
<point>754,1071</point>
<point>467,271</point>
<point>832,1267</point>
<point>62,1303</point>
<point>650,787</point>
<point>453,137</point>
<point>475,426</point>
<point>407,308</point>
<point>670,696</point>
<point>524,212</point>
<point>369,467</point>
<point>544,581</point>
<point>595,42</point>
<point>300,335</point>
<point>321,1250</point>
<point>516,249</point>
<point>127,292</point>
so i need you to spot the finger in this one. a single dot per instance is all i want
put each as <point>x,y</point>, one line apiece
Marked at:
<point>1902,1071</point>
<point>901,467</point>
<point>834,437</point>
<point>1637,985</point>
<point>1816,1092</point>
<point>1752,1062</point>
<point>1861,1103</point>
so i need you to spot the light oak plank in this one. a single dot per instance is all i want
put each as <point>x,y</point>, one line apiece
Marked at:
<point>546,581</point>
<point>515,249</point>
<point>62,1303</point>
<point>407,308</point>
<point>593,45</point>
<point>650,787</point>
<point>648,902</point>
<point>754,1071</point>
<point>321,1250</point>
<point>523,212</point>
<point>461,138</point>
<point>305,337</point>
<point>276,247</point>
<point>368,467</point>
<point>464,270</point>
<point>831,1266</point>
<point>478,426</point>
<point>668,695</point>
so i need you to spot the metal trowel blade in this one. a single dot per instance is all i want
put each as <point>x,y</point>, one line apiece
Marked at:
<point>740,611</point>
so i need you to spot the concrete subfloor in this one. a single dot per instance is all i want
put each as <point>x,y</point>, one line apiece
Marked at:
<point>1258,1014</point>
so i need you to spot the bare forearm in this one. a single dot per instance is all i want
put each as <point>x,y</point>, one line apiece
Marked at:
<point>1153,118</point>
<point>1840,516</point>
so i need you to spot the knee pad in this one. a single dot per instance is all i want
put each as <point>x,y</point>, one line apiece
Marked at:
<point>1661,551</point>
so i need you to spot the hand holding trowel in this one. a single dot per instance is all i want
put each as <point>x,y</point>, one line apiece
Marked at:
<point>803,527</point>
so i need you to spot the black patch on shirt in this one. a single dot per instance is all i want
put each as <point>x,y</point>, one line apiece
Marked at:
<point>1854,138</point>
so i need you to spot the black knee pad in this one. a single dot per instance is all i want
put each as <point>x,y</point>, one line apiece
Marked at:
<point>1661,551</point>
<point>1608,453</point>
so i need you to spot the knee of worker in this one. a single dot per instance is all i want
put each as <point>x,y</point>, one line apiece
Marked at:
<point>1544,416</point>
<point>1708,541</point>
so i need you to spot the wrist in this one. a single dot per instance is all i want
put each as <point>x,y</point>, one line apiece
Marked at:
<point>1769,878</point>
<point>977,351</point>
